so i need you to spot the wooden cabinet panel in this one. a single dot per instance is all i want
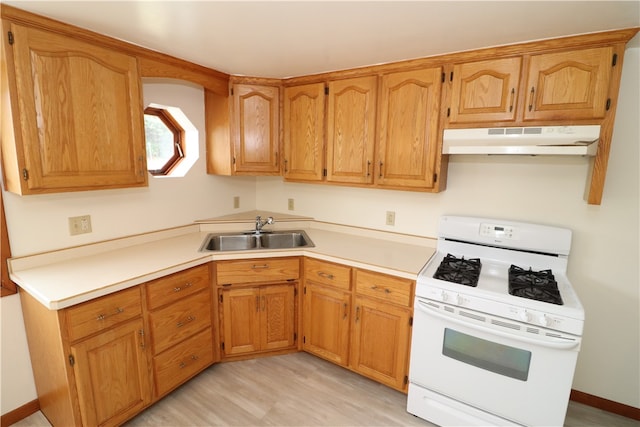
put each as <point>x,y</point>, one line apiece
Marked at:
<point>351,115</point>
<point>112,375</point>
<point>408,128</point>
<point>304,117</point>
<point>178,285</point>
<point>277,317</point>
<point>388,288</point>
<point>178,364</point>
<point>485,91</point>
<point>326,322</point>
<point>78,115</point>
<point>327,273</point>
<point>256,128</point>
<point>240,320</point>
<point>257,270</point>
<point>180,320</point>
<point>569,85</point>
<point>380,342</point>
<point>93,316</point>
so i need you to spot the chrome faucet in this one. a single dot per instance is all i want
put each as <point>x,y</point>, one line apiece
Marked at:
<point>261,223</point>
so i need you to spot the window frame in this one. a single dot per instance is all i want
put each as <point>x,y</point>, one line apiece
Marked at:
<point>179,146</point>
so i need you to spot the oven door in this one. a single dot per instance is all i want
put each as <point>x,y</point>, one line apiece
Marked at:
<point>479,361</point>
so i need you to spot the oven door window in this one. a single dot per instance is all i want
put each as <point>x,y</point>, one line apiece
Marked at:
<point>499,358</point>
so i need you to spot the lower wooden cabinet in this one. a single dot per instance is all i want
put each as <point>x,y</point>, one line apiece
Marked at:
<point>257,319</point>
<point>111,374</point>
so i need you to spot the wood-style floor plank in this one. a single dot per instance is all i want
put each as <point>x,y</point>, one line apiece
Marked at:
<point>296,390</point>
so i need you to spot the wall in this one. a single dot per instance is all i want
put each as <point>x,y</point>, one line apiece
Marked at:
<point>603,265</point>
<point>535,189</point>
<point>39,223</point>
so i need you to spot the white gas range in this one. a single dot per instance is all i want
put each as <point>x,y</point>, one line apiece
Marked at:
<point>497,326</point>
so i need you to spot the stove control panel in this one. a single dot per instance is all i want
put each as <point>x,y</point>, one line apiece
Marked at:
<point>498,232</point>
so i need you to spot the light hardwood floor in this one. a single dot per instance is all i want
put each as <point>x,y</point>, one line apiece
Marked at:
<point>297,390</point>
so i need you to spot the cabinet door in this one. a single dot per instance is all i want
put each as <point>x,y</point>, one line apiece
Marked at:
<point>380,342</point>
<point>240,320</point>
<point>304,132</point>
<point>485,91</point>
<point>351,116</point>
<point>326,323</point>
<point>81,119</point>
<point>256,129</point>
<point>408,127</point>
<point>112,375</point>
<point>569,85</point>
<point>277,317</point>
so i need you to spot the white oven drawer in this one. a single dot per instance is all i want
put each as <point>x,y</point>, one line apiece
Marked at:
<point>491,367</point>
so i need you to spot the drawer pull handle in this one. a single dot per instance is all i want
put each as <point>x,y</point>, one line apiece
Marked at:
<point>187,320</point>
<point>193,358</point>
<point>386,290</point>
<point>104,316</point>
<point>179,288</point>
<point>326,275</point>
<point>257,267</point>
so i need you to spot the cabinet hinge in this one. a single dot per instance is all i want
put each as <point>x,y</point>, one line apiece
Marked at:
<point>10,37</point>
<point>324,172</point>
<point>435,177</point>
<point>234,160</point>
<point>304,291</point>
<point>326,90</point>
<point>451,77</point>
<point>448,112</point>
<point>608,104</point>
<point>295,336</point>
<point>304,339</point>
<point>295,292</point>
<point>614,61</point>
<point>25,174</point>
<point>222,345</point>
<point>442,77</point>
<point>220,298</point>
<point>411,321</point>
<point>72,360</point>
<point>231,91</point>
<point>406,379</point>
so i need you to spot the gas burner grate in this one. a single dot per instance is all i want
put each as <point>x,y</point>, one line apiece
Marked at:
<point>536,285</point>
<point>459,270</point>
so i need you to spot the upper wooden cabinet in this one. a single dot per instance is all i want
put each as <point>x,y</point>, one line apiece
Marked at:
<point>485,91</point>
<point>351,124</point>
<point>304,132</point>
<point>561,86</point>
<point>243,130</point>
<point>72,114</point>
<point>569,85</point>
<point>408,129</point>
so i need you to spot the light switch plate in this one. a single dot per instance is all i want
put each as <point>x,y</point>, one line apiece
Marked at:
<point>290,204</point>
<point>391,218</point>
<point>236,202</point>
<point>79,224</point>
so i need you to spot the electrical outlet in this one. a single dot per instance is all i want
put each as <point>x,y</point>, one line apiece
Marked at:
<point>236,202</point>
<point>79,224</point>
<point>290,204</point>
<point>391,218</point>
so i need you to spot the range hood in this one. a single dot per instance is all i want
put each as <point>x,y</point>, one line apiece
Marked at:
<point>539,140</point>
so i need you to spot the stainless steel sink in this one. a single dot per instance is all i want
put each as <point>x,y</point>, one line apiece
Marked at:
<point>285,239</point>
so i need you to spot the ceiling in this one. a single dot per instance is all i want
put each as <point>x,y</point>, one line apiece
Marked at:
<point>283,39</point>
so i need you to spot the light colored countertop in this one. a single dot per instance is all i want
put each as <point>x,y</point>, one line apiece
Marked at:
<point>67,277</point>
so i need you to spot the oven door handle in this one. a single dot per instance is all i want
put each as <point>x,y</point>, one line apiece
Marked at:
<point>563,345</point>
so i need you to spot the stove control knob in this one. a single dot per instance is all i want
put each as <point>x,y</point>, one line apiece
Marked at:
<point>444,296</point>
<point>546,320</point>
<point>524,316</point>
<point>459,299</point>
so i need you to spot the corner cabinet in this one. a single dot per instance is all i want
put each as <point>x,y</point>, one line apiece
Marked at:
<point>243,130</point>
<point>257,306</point>
<point>72,114</point>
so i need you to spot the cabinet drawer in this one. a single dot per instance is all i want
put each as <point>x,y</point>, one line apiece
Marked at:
<point>102,313</point>
<point>176,322</point>
<point>178,364</point>
<point>167,289</point>
<point>389,288</point>
<point>327,273</point>
<point>257,270</point>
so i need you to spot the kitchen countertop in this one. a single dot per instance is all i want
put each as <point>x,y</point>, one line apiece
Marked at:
<point>63,278</point>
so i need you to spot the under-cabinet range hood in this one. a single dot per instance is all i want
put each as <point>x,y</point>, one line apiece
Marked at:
<point>539,140</point>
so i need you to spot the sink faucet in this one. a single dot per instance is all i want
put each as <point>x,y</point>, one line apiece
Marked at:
<point>261,223</point>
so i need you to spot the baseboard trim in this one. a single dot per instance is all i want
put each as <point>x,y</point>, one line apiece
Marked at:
<point>605,404</point>
<point>20,413</point>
